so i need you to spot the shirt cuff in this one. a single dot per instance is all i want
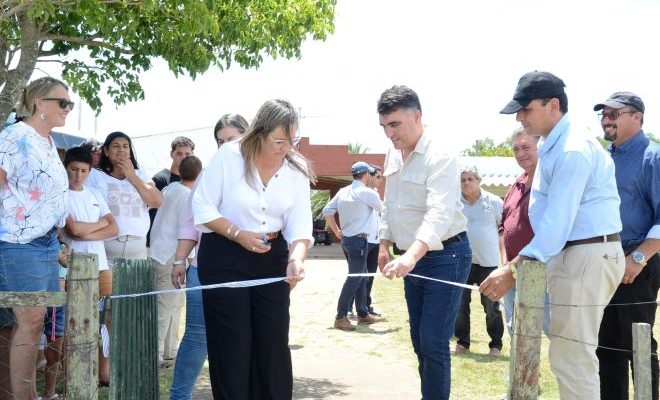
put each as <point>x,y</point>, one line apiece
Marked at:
<point>427,235</point>
<point>654,233</point>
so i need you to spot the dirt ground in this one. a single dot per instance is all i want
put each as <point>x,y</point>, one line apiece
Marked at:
<point>367,364</point>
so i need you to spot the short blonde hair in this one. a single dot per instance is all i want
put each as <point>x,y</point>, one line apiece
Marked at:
<point>37,89</point>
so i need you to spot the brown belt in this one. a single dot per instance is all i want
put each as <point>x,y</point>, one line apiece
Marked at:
<point>597,239</point>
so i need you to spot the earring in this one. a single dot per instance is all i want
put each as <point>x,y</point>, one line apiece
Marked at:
<point>42,116</point>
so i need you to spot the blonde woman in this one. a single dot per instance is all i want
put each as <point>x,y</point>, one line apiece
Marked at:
<point>253,205</point>
<point>33,204</point>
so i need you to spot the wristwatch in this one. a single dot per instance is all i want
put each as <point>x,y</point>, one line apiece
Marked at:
<point>179,262</point>
<point>638,258</point>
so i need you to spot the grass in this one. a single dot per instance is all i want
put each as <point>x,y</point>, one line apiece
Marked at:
<point>475,376</point>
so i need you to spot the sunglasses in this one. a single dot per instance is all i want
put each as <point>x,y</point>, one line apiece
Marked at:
<point>613,115</point>
<point>64,103</point>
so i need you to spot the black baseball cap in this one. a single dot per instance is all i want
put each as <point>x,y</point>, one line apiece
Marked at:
<point>531,86</point>
<point>620,100</point>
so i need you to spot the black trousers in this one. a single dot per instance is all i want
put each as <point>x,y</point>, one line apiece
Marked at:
<point>616,331</point>
<point>494,323</point>
<point>247,329</point>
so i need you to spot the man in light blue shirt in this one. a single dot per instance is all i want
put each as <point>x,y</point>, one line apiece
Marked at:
<point>574,212</point>
<point>355,204</point>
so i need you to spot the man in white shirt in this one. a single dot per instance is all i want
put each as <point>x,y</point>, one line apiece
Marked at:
<point>163,246</point>
<point>422,217</point>
<point>483,211</point>
<point>355,204</point>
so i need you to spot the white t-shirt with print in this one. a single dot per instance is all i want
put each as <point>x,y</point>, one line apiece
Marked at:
<point>124,201</point>
<point>87,205</point>
<point>33,199</point>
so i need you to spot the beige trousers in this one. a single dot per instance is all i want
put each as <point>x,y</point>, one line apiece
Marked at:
<point>170,306</point>
<point>581,275</point>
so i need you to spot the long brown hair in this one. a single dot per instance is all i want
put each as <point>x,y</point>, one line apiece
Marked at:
<point>271,115</point>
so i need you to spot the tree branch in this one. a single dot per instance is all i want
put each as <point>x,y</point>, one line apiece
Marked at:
<point>11,7</point>
<point>86,42</point>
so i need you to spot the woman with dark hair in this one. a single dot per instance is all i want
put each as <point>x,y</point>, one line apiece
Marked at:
<point>129,193</point>
<point>33,204</point>
<point>253,205</point>
<point>192,351</point>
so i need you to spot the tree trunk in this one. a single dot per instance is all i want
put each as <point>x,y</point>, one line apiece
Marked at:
<point>17,78</point>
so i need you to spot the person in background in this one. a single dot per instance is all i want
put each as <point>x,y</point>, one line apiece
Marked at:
<point>374,240</point>
<point>163,248</point>
<point>515,230</point>
<point>129,193</point>
<point>253,203</point>
<point>89,222</point>
<point>355,205</point>
<point>483,211</point>
<point>33,193</point>
<point>637,162</point>
<point>422,218</point>
<point>192,351</point>
<point>574,212</point>
<point>93,146</point>
<point>181,147</point>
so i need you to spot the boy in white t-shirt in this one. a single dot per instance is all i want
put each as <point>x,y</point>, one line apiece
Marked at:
<point>88,224</point>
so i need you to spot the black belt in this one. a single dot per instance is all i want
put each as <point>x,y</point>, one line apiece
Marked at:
<point>456,238</point>
<point>596,239</point>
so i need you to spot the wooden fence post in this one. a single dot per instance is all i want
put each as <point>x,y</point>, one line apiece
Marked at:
<point>526,341</point>
<point>641,341</point>
<point>82,327</point>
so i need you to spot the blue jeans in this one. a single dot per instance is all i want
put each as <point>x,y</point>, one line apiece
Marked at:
<point>507,303</point>
<point>432,308</point>
<point>356,249</point>
<point>29,267</point>
<point>192,350</point>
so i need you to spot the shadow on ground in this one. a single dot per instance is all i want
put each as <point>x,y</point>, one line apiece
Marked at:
<point>310,388</point>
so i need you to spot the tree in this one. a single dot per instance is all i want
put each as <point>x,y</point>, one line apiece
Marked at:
<point>487,148</point>
<point>357,148</point>
<point>319,198</point>
<point>108,43</point>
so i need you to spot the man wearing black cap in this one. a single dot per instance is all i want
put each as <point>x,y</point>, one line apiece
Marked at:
<point>637,162</point>
<point>355,205</point>
<point>574,212</point>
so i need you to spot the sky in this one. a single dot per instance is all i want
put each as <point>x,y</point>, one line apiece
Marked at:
<point>463,58</point>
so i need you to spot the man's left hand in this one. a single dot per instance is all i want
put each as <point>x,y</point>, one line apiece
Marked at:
<point>632,270</point>
<point>399,267</point>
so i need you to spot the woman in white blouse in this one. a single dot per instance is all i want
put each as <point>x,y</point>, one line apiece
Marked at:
<point>253,205</point>
<point>33,204</point>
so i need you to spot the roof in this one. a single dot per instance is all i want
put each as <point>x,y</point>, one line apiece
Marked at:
<point>494,171</point>
<point>65,141</point>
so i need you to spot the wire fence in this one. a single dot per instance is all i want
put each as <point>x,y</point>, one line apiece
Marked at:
<point>47,354</point>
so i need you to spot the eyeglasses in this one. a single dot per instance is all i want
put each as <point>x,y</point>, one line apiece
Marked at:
<point>64,103</point>
<point>292,142</point>
<point>613,115</point>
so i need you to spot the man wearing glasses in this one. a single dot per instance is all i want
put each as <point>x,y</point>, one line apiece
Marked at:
<point>637,162</point>
<point>574,212</point>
